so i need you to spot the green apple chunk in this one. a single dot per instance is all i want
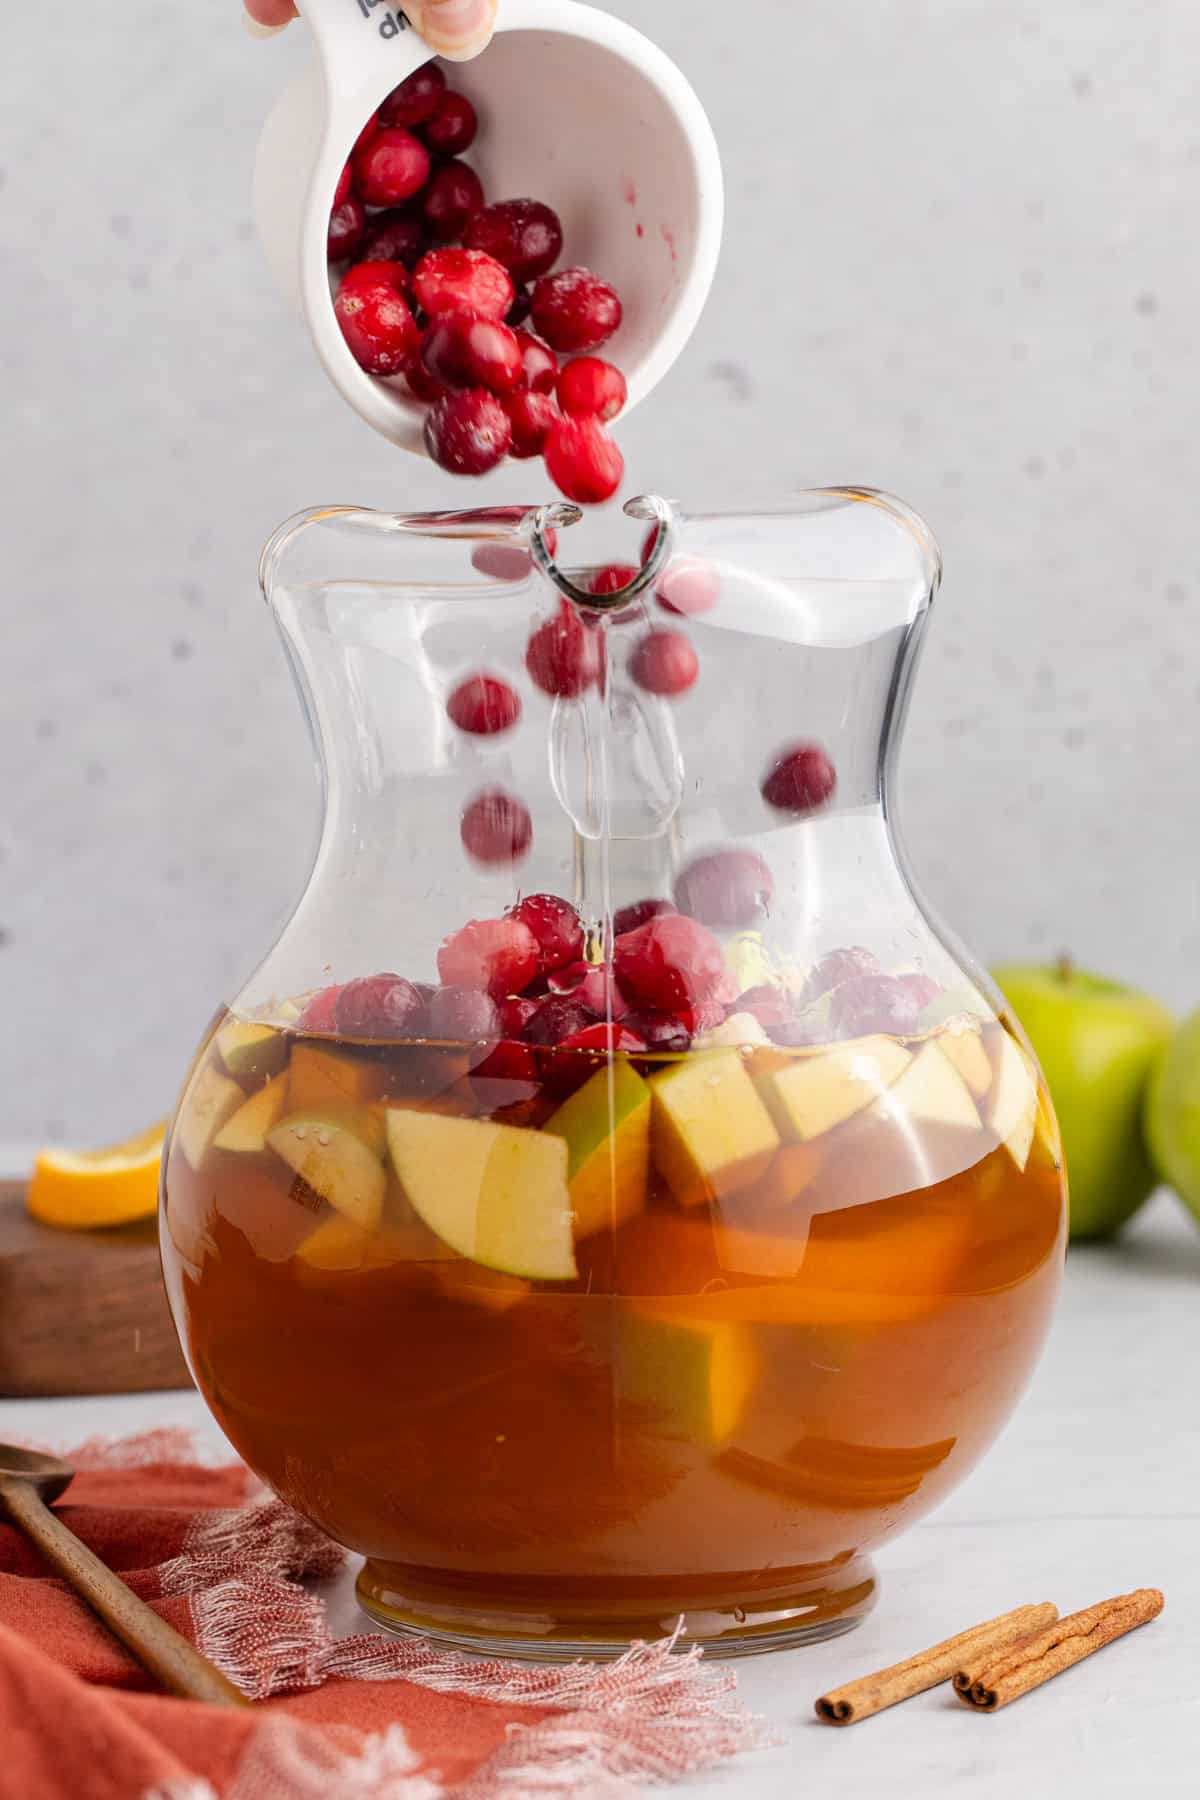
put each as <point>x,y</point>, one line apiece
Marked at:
<point>961,1039</point>
<point>697,1374</point>
<point>338,1152</point>
<point>929,1092</point>
<point>1013,1102</point>
<point>209,1102</point>
<point>711,1134</point>
<point>495,1193</point>
<point>1099,1045</point>
<point>816,1092</point>
<point>249,1049</point>
<point>246,1132</point>
<point>606,1125</point>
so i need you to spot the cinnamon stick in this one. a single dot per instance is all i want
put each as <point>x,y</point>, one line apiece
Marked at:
<point>989,1681</point>
<point>980,1645</point>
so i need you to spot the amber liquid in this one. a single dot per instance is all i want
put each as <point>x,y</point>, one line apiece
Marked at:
<point>727,1410</point>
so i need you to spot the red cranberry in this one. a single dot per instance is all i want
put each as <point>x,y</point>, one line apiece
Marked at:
<point>725,888</point>
<point>468,433</point>
<point>531,416</point>
<point>800,780</point>
<point>379,1006</point>
<point>508,1062</point>
<point>376,323</point>
<point>768,1005</point>
<point>593,986</point>
<point>320,1012</point>
<point>556,926</point>
<point>611,579</point>
<point>503,562</point>
<point>396,235</point>
<point>868,1003</point>
<point>484,705</point>
<point>923,989</point>
<point>591,386</point>
<point>575,310</point>
<point>368,132</point>
<point>564,656</point>
<point>421,384</point>
<point>345,236</point>
<point>583,461</point>
<point>462,1015</point>
<point>497,955</point>
<point>462,281</point>
<point>539,365</point>
<point>453,197</point>
<point>556,1019</point>
<point>688,585</point>
<point>415,99</point>
<point>464,352</point>
<point>606,1036</point>
<point>522,234</point>
<point>668,964</point>
<point>390,167</point>
<point>496,828</point>
<point>515,1013</point>
<point>341,192</point>
<point>665,1032</point>
<point>639,912</point>
<point>836,967</point>
<point>797,1034</point>
<point>518,312</point>
<point>664,663</point>
<point>451,126</point>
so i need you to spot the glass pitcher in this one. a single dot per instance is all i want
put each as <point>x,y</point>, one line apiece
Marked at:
<point>613,1199</point>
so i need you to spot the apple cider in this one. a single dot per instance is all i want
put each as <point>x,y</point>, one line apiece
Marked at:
<point>570,1338</point>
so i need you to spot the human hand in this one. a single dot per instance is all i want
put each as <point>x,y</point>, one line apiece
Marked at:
<point>456,29</point>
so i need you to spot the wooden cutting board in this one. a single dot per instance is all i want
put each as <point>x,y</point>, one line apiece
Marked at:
<point>82,1312</point>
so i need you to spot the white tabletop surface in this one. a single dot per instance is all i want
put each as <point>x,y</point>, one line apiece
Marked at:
<point>1092,1490</point>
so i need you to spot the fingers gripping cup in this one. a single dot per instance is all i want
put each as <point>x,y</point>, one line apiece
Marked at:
<point>580,111</point>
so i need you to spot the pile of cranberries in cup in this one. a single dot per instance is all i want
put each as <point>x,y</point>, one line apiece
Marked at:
<point>462,301</point>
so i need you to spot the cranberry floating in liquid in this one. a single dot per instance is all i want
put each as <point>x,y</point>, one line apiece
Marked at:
<point>556,926</point>
<point>499,956</point>
<point>729,889</point>
<point>379,1006</point>
<point>463,1015</point>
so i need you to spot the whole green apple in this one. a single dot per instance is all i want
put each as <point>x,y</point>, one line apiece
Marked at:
<point>1173,1114</point>
<point>1099,1044</point>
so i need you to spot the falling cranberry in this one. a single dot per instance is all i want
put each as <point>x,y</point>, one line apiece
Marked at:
<point>373,313</point>
<point>522,234</point>
<point>835,967</point>
<point>688,585</point>
<point>611,579</point>
<point>583,461</point>
<point>800,780</point>
<point>639,912</point>
<point>591,385</point>
<point>496,828</point>
<point>868,1003</point>
<point>415,99</point>
<point>499,956</point>
<point>451,126</point>
<point>484,705</point>
<point>531,415</point>
<point>462,281</point>
<point>396,235</point>
<point>661,1031</point>
<point>539,365</point>
<point>507,1062</point>
<point>556,1019</point>
<point>390,167</point>
<point>346,223</point>
<point>564,656</point>
<point>575,310</point>
<point>665,663</point>
<point>463,1015</point>
<point>320,1012</point>
<point>464,352</point>
<point>468,433</point>
<point>556,926</point>
<point>669,963</point>
<point>725,888</point>
<point>453,197</point>
<point>379,1006</point>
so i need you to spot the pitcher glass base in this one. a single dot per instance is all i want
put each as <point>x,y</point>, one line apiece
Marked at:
<point>819,1604</point>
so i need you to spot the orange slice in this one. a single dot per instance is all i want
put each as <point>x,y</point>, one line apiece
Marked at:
<point>76,1190</point>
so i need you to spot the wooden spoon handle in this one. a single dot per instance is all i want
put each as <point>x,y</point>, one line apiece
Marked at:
<point>180,1667</point>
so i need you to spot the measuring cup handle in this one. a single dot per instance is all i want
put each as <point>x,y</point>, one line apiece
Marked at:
<point>356,38</point>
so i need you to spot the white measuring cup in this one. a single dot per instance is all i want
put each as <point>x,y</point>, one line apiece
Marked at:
<point>576,109</point>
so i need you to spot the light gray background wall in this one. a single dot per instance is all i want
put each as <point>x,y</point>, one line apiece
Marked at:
<point>961,264</point>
